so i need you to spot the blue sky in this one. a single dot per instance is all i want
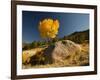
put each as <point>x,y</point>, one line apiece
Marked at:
<point>69,23</point>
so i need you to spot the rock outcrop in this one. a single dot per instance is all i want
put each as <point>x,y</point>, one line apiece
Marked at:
<point>60,51</point>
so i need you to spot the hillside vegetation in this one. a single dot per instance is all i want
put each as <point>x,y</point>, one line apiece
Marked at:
<point>78,37</point>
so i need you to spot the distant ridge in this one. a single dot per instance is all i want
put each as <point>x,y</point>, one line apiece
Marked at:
<point>78,37</point>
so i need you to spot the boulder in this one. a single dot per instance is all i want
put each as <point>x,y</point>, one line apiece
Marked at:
<point>60,51</point>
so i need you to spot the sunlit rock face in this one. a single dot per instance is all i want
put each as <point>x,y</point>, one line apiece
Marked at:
<point>61,51</point>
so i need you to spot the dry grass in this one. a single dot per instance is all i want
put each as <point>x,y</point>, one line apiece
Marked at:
<point>26,54</point>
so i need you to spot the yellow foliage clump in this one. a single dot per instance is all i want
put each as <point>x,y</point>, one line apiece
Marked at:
<point>25,57</point>
<point>48,28</point>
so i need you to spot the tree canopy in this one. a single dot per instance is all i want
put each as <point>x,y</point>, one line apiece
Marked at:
<point>48,28</point>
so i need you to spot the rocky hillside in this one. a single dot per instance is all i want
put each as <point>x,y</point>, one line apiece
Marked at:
<point>71,50</point>
<point>78,37</point>
<point>62,53</point>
